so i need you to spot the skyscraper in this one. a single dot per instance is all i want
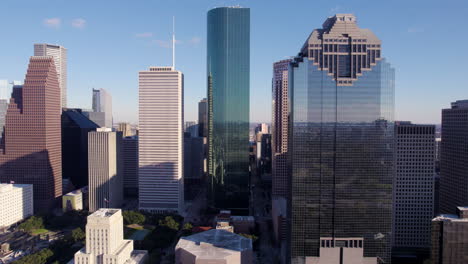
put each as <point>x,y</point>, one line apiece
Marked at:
<point>31,150</point>
<point>125,128</point>
<point>454,157</point>
<point>160,144</point>
<point>130,166</point>
<point>203,117</point>
<point>102,108</point>
<point>280,175</point>
<point>340,146</point>
<point>75,129</point>
<point>105,181</point>
<point>5,92</point>
<point>228,70</point>
<point>413,189</point>
<point>59,54</point>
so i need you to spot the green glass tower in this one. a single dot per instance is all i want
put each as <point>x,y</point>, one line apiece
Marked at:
<point>228,70</point>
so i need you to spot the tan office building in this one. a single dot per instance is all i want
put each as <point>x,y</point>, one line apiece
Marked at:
<point>105,243</point>
<point>105,184</point>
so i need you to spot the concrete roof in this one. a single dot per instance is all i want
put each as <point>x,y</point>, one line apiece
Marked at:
<point>214,244</point>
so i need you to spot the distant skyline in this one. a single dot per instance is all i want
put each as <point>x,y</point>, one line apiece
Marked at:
<point>107,49</point>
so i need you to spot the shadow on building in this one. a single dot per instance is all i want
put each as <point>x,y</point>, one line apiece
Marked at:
<point>34,169</point>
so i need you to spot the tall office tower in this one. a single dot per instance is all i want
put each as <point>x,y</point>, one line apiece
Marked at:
<point>59,54</point>
<point>193,164</point>
<point>191,128</point>
<point>5,92</point>
<point>203,117</point>
<point>160,144</point>
<point>102,108</point>
<point>449,237</point>
<point>262,128</point>
<point>31,151</point>
<point>105,243</point>
<point>454,157</point>
<point>125,128</point>
<point>228,70</point>
<point>413,189</point>
<point>130,166</point>
<point>279,144</point>
<point>105,183</point>
<point>75,129</point>
<point>340,146</point>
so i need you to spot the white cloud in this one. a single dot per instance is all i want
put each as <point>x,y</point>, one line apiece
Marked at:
<point>54,22</point>
<point>335,9</point>
<point>79,23</point>
<point>195,40</point>
<point>165,43</point>
<point>144,35</point>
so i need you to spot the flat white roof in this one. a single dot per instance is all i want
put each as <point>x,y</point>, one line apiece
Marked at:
<point>215,244</point>
<point>104,212</point>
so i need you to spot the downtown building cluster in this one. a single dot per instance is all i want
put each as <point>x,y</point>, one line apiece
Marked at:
<point>349,183</point>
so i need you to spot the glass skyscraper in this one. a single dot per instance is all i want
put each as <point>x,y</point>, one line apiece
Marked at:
<point>228,70</point>
<point>341,156</point>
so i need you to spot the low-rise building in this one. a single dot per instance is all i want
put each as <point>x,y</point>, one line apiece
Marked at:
<point>105,243</point>
<point>16,203</point>
<point>450,237</point>
<point>72,201</point>
<point>214,246</point>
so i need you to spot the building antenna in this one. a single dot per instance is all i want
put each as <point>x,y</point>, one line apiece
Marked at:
<point>173,42</point>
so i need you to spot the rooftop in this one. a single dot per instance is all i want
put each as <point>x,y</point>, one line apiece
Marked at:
<point>214,244</point>
<point>460,104</point>
<point>74,193</point>
<point>6,187</point>
<point>104,212</point>
<point>81,120</point>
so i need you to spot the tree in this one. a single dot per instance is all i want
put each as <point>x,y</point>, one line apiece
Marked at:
<point>187,226</point>
<point>170,223</point>
<point>187,229</point>
<point>32,223</point>
<point>133,217</point>
<point>39,257</point>
<point>77,234</point>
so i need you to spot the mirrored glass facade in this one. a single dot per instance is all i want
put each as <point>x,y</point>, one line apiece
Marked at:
<point>341,153</point>
<point>228,69</point>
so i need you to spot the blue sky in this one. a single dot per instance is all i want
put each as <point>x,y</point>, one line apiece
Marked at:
<point>108,42</point>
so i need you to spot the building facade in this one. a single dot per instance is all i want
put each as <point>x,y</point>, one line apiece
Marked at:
<point>72,201</point>
<point>160,144</point>
<point>279,146</point>
<point>75,129</point>
<point>341,93</point>
<point>450,237</point>
<point>59,54</point>
<point>16,203</point>
<point>105,243</point>
<point>215,246</point>
<point>31,149</point>
<point>130,166</point>
<point>228,72</point>
<point>126,129</point>
<point>413,188</point>
<point>105,183</point>
<point>193,165</point>
<point>203,118</point>
<point>454,157</point>
<point>102,103</point>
